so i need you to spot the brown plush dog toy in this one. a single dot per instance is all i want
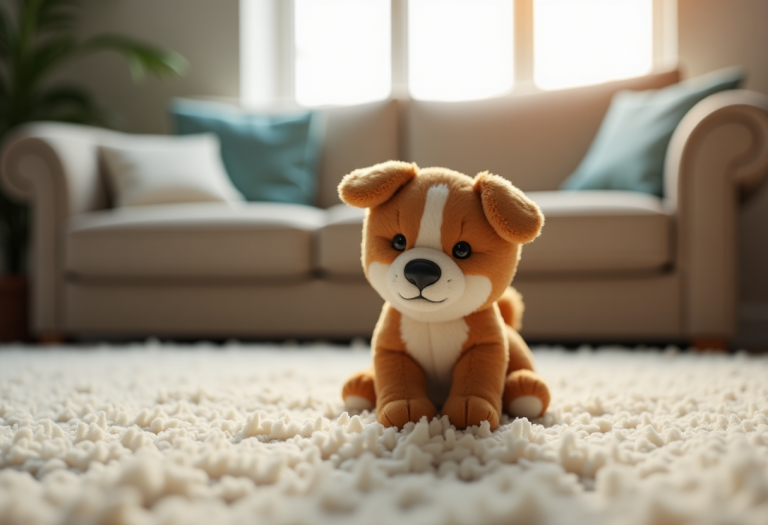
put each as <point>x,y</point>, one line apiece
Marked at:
<point>442,248</point>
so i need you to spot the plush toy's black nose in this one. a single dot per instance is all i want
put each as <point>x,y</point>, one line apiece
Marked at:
<point>422,273</point>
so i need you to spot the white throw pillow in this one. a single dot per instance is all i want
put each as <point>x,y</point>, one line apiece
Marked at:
<point>155,169</point>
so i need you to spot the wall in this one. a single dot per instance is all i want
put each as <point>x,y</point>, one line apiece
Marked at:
<point>713,34</point>
<point>206,32</point>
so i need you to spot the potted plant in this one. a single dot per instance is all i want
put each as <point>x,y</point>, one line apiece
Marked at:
<point>37,37</point>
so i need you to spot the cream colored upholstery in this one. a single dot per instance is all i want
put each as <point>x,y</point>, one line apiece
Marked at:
<point>55,167</point>
<point>585,232</point>
<point>535,140</point>
<point>598,231</point>
<point>339,242</point>
<point>223,309</point>
<point>355,136</point>
<point>608,265</point>
<point>717,156</point>
<point>261,240</point>
<point>638,306</point>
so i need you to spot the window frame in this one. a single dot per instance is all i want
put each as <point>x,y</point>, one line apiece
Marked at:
<point>274,73</point>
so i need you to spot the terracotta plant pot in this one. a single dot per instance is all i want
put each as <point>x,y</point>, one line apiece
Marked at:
<point>14,303</point>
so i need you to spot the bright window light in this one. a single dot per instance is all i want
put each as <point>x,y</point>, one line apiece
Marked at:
<point>460,50</point>
<point>590,41</point>
<point>342,51</point>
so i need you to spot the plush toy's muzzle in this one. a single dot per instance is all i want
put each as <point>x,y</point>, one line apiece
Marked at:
<point>428,285</point>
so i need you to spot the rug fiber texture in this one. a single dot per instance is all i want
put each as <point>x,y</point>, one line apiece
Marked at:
<point>164,434</point>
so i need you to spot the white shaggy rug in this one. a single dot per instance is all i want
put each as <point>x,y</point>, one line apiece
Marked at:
<point>254,434</point>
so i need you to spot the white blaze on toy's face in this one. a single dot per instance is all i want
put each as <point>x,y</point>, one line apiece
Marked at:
<point>423,281</point>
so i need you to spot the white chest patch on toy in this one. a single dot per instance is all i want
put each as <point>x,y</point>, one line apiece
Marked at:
<point>436,347</point>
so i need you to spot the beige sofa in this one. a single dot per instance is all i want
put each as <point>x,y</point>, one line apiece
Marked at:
<point>608,266</point>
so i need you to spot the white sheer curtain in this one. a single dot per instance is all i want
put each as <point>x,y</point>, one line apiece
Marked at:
<point>342,51</point>
<point>339,52</point>
<point>460,50</point>
<point>590,41</point>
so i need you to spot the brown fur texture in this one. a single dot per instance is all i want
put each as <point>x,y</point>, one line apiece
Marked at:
<point>513,216</point>
<point>369,187</point>
<point>512,307</point>
<point>492,366</point>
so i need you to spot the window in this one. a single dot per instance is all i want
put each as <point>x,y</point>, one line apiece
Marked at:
<point>459,50</point>
<point>586,42</point>
<point>342,51</point>
<point>321,52</point>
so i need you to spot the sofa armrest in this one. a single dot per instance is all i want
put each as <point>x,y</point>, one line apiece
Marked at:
<point>717,156</point>
<point>54,167</point>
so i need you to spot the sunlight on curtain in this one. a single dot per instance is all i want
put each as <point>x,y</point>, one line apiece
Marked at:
<point>342,51</point>
<point>460,50</point>
<point>590,41</point>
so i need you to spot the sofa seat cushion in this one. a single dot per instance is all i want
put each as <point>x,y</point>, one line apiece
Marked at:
<point>256,240</point>
<point>584,231</point>
<point>598,231</point>
<point>339,241</point>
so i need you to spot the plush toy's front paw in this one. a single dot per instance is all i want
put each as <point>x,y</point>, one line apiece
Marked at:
<point>398,413</point>
<point>466,411</point>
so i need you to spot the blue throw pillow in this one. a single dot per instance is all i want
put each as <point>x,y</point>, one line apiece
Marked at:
<point>629,149</point>
<point>268,157</point>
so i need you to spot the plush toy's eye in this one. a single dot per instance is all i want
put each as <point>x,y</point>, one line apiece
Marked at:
<point>398,242</point>
<point>462,250</point>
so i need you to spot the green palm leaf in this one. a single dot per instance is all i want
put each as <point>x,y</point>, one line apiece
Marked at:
<point>47,55</point>
<point>4,106</point>
<point>66,103</point>
<point>6,34</point>
<point>57,15</point>
<point>3,92</point>
<point>142,58</point>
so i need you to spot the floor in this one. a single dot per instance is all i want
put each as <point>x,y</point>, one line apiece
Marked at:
<point>238,433</point>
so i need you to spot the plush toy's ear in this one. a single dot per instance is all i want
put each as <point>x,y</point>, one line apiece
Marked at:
<point>515,217</point>
<point>369,187</point>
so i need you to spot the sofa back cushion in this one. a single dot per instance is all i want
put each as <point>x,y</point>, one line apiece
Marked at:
<point>534,140</point>
<point>585,233</point>
<point>355,137</point>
